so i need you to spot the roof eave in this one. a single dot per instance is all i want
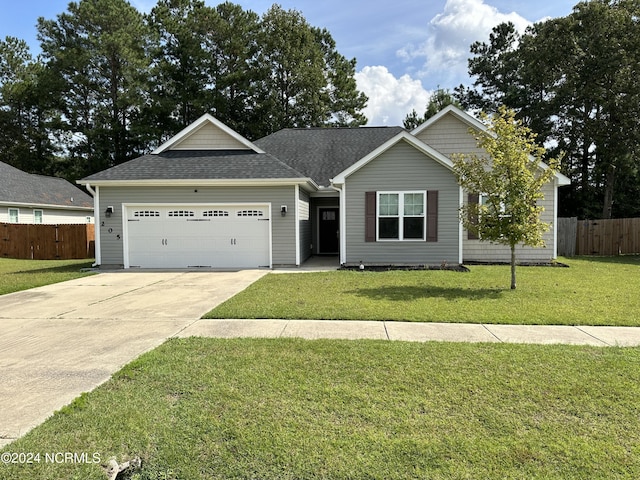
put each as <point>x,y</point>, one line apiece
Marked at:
<point>52,206</point>
<point>216,182</point>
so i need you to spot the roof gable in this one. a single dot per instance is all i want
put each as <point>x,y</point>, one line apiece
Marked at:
<point>207,133</point>
<point>455,112</point>
<point>402,136</point>
<point>451,111</point>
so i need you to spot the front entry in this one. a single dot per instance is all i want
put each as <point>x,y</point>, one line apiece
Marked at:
<point>328,230</point>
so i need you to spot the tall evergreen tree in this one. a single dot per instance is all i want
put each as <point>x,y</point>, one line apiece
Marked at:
<point>96,55</point>
<point>571,80</point>
<point>307,83</point>
<point>180,90</point>
<point>25,110</point>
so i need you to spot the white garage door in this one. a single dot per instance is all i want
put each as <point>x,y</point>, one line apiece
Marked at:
<point>216,236</point>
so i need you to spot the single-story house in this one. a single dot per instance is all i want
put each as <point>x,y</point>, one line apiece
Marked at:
<point>30,198</point>
<point>209,197</point>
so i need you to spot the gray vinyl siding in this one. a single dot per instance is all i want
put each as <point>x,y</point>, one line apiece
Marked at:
<point>479,251</point>
<point>315,203</point>
<point>449,136</point>
<point>402,167</point>
<point>282,228</point>
<point>305,226</point>
<point>209,137</point>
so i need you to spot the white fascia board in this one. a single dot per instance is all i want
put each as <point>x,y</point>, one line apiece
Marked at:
<point>184,133</point>
<point>460,114</point>
<point>407,137</point>
<point>206,182</point>
<point>46,205</point>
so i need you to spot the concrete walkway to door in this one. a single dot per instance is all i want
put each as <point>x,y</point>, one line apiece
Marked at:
<point>61,340</point>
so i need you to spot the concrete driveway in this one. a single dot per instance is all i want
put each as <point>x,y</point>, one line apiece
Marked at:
<point>61,340</point>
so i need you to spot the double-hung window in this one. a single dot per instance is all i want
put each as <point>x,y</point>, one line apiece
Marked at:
<point>37,216</point>
<point>14,215</point>
<point>401,215</point>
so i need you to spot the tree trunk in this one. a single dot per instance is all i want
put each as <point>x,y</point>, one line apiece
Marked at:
<point>513,267</point>
<point>608,191</point>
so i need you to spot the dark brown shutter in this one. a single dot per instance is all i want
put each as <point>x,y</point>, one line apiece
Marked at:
<point>432,216</point>
<point>370,217</point>
<point>473,198</point>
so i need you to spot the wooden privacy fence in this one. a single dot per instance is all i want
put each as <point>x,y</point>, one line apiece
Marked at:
<point>616,236</point>
<point>47,242</point>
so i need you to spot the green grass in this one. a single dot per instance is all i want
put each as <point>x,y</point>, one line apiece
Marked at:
<point>593,291</point>
<point>16,275</point>
<point>293,409</point>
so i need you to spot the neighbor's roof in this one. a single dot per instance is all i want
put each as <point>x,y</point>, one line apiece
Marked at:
<point>323,153</point>
<point>18,187</point>
<point>198,165</point>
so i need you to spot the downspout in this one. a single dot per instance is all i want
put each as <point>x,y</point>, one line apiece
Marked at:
<point>296,219</point>
<point>555,218</point>
<point>460,228</point>
<point>343,221</point>
<point>96,216</point>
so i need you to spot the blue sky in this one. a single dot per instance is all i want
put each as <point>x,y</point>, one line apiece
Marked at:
<point>405,48</point>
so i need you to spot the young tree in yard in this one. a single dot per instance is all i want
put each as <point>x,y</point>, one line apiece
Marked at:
<point>509,179</point>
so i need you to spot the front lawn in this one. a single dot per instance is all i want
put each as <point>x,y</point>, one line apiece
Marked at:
<point>593,291</point>
<point>293,409</point>
<point>16,275</point>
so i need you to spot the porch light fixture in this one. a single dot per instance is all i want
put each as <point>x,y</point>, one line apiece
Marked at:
<point>283,210</point>
<point>108,212</point>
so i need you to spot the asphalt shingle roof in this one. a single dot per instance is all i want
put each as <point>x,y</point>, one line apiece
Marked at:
<point>199,165</point>
<point>17,186</point>
<point>322,153</point>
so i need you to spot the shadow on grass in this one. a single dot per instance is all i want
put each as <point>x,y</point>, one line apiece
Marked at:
<point>619,259</point>
<point>45,270</point>
<point>402,294</point>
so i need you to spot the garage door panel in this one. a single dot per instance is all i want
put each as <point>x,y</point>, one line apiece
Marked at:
<point>218,236</point>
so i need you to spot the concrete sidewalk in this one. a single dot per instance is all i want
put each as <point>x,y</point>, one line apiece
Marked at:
<point>417,332</point>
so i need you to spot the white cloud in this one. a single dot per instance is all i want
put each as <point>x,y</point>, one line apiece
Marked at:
<point>390,98</point>
<point>449,36</point>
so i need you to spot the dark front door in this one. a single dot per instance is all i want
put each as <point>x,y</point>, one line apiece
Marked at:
<point>328,230</point>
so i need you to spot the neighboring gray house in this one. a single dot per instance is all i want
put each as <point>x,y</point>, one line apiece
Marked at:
<point>210,198</point>
<point>29,198</point>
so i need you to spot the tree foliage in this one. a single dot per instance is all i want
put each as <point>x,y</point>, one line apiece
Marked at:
<point>25,109</point>
<point>112,83</point>
<point>510,179</point>
<point>96,57</point>
<point>440,99</point>
<point>573,80</point>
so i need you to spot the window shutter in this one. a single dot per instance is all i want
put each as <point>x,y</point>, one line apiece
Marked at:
<point>473,198</point>
<point>432,216</point>
<point>370,217</point>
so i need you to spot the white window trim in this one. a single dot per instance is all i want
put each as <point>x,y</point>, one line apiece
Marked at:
<point>41,216</point>
<point>17,210</point>
<point>401,215</point>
